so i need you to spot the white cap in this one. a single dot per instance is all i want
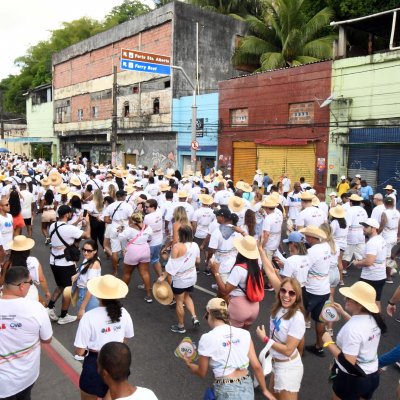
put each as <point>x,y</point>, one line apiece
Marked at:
<point>333,194</point>
<point>139,184</point>
<point>358,176</point>
<point>342,177</point>
<point>371,222</point>
<point>312,191</point>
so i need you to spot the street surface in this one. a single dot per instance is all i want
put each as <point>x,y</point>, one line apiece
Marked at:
<point>154,363</point>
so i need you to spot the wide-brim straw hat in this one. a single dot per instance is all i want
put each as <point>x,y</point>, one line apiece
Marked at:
<point>21,243</point>
<point>206,199</point>
<point>72,295</point>
<point>207,178</point>
<point>164,187</point>
<point>55,179</point>
<point>315,201</point>
<point>313,231</point>
<point>244,186</point>
<point>362,293</point>
<point>72,194</point>
<point>63,189</point>
<point>24,172</point>
<point>355,197</point>
<point>269,202</point>
<point>2,177</point>
<point>130,179</point>
<point>75,181</point>
<point>235,204</point>
<point>45,181</point>
<point>258,171</point>
<point>159,172</point>
<point>162,292</point>
<point>247,247</point>
<point>337,212</point>
<point>129,189</point>
<point>107,287</point>
<point>388,187</point>
<point>306,196</point>
<point>182,194</point>
<point>124,173</point>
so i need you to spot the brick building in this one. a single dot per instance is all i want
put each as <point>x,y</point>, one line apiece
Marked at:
<point>82,81</point>
<point>273,121</point>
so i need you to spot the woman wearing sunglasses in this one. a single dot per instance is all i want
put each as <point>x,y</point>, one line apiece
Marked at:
<point>89,269</point>
<point>287,328</point>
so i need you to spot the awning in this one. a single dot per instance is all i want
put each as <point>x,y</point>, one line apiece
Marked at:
<point>284,142</point>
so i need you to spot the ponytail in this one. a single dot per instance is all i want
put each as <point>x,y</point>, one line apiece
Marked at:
<point>113,308</point>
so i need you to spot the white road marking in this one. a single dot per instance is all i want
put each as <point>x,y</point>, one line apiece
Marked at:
<point>206,290</point>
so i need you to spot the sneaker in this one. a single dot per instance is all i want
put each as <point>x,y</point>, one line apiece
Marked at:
<point>178,329</point>
<point>389,281</point>
<point>397,363</point>
<point>207,272</point>
<point>393,271</point>
<point>318,352</point>
<point>308,324</point>
<point>214,286</point>
<point>148,299</point>
<point>173,303</point>
<point>341,283</point>
<point>67,319</point>
<point>141,286</point>
<point>197,271</point>
<point>344,272</point>
<point>52,314</point>
<point>195,322</point>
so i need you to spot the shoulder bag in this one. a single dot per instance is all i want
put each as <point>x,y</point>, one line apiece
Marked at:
<point>71,252</point>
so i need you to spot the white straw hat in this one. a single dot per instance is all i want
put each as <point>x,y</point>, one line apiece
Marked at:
<point>162,292</point>
<point>107,287</point>
<point>362,293</point>
<point>21,243</point>
<point>247,247</point>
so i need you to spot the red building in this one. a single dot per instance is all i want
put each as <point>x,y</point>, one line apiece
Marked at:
<point>274,121</point>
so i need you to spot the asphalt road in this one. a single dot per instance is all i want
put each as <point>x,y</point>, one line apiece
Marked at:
<point>154,363</point>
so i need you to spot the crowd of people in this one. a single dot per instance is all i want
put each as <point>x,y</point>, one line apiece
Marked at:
<point>250,237</point>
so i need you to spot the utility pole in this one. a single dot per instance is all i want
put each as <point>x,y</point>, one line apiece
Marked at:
<point>114,121</point>
<point>1,116</point>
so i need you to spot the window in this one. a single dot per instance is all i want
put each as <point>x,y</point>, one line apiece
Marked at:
<point>239,116</point>
<point>80,114</point>
<point>135,89</point>
<point>61,113</point>
<point>167,84</point>
<point>126,109</point>
<point>95,112</point>
<point>156,106</point>
<point>301,113</point>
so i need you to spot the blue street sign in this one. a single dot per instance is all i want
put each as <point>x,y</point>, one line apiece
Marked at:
<point>132,65</point>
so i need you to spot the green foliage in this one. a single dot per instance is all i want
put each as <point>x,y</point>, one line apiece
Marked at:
<point>285,36</point>
<point>230,7</point>
<point>40,150</point>
<point>129,9</point>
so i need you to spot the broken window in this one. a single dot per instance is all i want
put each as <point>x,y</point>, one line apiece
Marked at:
<point>156,106</point>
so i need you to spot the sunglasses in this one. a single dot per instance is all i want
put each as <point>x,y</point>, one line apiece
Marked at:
<point>19,284</point>
<point>88,250</point>
<point>291,293</point>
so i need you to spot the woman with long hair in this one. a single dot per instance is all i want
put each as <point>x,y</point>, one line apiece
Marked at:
<point>255,206</point>
<point>89,269</point>
<point>242,311</point>
<point>48,207</point>
<point>95,209</point>
<point>107,243</point>
<point>109,322</point>
<point>250,223</point>
<point>15,211</point>
<point>181,267</point>
<point>229,351</point>
<point>87,195</point>
<point>180,219</point>
<point>77,211</point>
<point>355,372</point>
<point>135,240</point>
<point>112,191</point>
<point>287,329</point>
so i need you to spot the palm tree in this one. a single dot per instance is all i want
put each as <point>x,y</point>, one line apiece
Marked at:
<point>285,36</point>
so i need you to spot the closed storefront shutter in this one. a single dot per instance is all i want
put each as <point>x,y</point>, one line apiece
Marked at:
<point>244,161</point>
<point>389,168</point>
<point>364,161</point>
<point>297,161</point>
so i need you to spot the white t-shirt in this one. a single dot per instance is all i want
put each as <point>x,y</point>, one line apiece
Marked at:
<point>69,233</point>
<point>294,204</point>
<point>96,329</point>
<point>286,185</point>
<point>296,266</point>
<point>140,394</point>
<point>32,263</point>
<point>226,253</point>
<point>360,337</point>
<point>281,328</point>
<point>119,212</point>
<point>203,216</point>
<point>130,233</point>
<point>183,269</point>
<point>339,234</point>
<point>91,273</point>
<point>389,232</point>
<point>376,246</point>
<point>26,204</point>
<point>215,344</point>
<point>238,277</point>
<point>324,208</point>
<point>23,324</point>
<point>273,225</point>
<point>6,230</point>
<point>377,212</point>
<point>310,216</point>
<point>154,220</point>
<point>354,216</point>
<point>221,197</point>
<point>318,274</point>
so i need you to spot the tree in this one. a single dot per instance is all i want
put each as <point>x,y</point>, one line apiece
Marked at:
<point>230,7</point>
<point>128,10</point>
<point>285,36</point>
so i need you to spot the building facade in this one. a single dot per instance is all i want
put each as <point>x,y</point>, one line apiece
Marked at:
<point>83,81</point>
<point>274,121</point>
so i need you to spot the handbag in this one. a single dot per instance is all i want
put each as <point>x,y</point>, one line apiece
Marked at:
<point>71,252</point>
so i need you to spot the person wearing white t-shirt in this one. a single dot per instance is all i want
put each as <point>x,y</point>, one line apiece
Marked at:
<point>27,203</point>
<point>293,202</point>
<point>221,196</point>
<point>309,215</point>
<point>24,325</point>
<point>356,347</point>
<point>286,182</point>
<point>6,225</point>
<point>114,363</point>
<point>373,263</point>
<point>110,322</point>
<point>379,207</point>
<point>390,192</point>
<point>272,228</point>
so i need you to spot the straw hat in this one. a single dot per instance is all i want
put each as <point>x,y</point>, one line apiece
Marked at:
<point>75,181</point>
<point>21,243</point>
<point>125,173</point>
<point>130,179</point>
<point>162,292</point>
<point>337,212</point>
<point>332,194</point>
<point>107,287</point>
<point>355,197</point>
<point>72,295</point>
<point>313,231</point>
<point>72,194</point>
<point>183,194</point>
<point>55,178</point>
<point>217,304</point>
<point>306,196</point>
<point>24,172</point>
<point>362,293</point>
<point>207,178</point>
<point>129,189</point>
<point>268,202</point>
<point>315,201</point>
<point>45,181</point>
<point>236,204</point>
<point>117,173</point>
<point>164,187</point>
<point>206,199</point>
<point>159,172</point>
<point>258,171</point>
<point>2,177</point>
<point>388,187</point>
<point>63,188</point>
<point>275,197</point>
<point>243,186</point>
<point>247,247</point>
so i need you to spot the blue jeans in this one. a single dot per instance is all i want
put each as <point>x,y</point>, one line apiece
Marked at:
<point>243,390</point>
<point>93,302</point>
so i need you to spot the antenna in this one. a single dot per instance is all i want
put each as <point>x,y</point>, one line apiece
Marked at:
<point>328,100</point>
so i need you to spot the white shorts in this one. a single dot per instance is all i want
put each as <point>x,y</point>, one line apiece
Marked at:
<point>115,245</point>
<point>389,247</point>
<point>334,277</point>
<point>356,250</point>
<point>288,375</point>
<point>107,233</point>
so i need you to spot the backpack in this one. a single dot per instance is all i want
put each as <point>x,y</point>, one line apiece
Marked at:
<point>254,286</point>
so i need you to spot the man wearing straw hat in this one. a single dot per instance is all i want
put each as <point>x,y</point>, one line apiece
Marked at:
<point>258,177</point>
<point>390,192</point>
<point>309,215</point>
<point>272,227</point>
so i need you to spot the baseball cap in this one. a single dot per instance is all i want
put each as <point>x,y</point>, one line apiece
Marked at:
<point>294,237</point>
<point>371,222</point>
<point>342,177</point>
<point>216,304</point>
<point>358,176</point>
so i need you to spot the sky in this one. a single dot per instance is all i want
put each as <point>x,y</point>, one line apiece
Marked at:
<point>23,23</point>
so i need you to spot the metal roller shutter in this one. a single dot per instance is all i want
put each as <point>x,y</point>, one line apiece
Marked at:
<point>272,160</point>
<point>389,168</point>
<point>364,161</point>
<point>244,161</point>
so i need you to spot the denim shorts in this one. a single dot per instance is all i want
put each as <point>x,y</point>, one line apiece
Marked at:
<point>93,302</point>
<point>350,387</point>
<point>243,390</point>
<point>155,253</point>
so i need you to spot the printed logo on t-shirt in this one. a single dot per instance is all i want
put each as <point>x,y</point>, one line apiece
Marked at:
<point>15,325</point>
<point>230,342</point>
<point>2,327</point>
<point>277,323</point>
<point>106,330</point>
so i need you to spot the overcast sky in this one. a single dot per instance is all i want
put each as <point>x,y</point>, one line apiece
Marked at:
<point>25,22</point>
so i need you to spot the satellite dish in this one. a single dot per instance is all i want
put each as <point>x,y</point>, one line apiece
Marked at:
<point>328,100</point>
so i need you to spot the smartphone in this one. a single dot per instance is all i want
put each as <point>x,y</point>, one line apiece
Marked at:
<point>84,213</point>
